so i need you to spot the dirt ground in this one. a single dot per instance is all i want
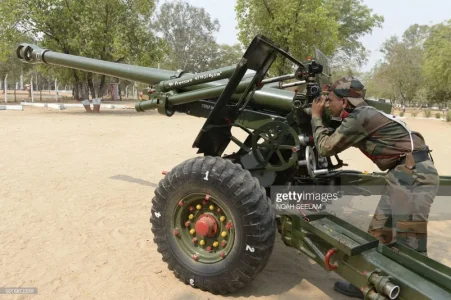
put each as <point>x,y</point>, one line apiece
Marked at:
<point>75,198</point>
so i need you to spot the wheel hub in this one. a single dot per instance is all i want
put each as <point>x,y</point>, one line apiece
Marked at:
<point>203,228</point>
<point>206,226</point>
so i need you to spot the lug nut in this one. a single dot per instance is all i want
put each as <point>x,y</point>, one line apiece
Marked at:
<point>223,244</point>
<point>180,203</point>
<point>212,207</point>
<point>223,234</point>
<point>208,249</point>
<point>191,216</point>
<point>218,210</point>
<point>204,202</point>
<point>191,208</point>
<point>187,223</point>
<point>222,218</point>
<point>229,225</point>
<point>195,257</point>
<point>176,232</point>
<point>198,206</point>
<point>215,244</point>
<point>202,242</point>
<point>207,197</point>
<point>192,231</point>
<point>194,240</point>
<point>222,254</point>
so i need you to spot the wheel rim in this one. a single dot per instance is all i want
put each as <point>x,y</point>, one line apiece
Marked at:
<point>203,228</point>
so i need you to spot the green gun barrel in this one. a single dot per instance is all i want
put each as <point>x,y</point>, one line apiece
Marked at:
<point>194,87</point>
<point>207,85</point>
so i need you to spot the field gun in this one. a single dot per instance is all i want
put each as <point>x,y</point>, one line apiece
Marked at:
<point>215,217</point>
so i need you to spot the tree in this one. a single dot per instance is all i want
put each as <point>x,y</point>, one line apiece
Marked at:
<point>189,33</point>
<point>226,55</point>
<point>10,37</point>
<point>377,85</point>
<point>297,26</point>
<point>112,30</point>
<point>437,59</point>
<point>399,75</point>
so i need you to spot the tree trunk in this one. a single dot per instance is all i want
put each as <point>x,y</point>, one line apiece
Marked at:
<point>91,86</point>
<point>83,90</point>
<point>102,86</point>
<point>21,78</point>
<point>119,88</point>
<point>5,84</point>
<point>76,85</point>
<point>6,88</point>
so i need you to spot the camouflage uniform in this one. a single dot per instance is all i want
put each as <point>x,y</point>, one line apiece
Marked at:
<point>411,183</point>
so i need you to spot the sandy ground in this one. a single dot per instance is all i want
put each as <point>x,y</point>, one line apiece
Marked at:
<point>75,198</point>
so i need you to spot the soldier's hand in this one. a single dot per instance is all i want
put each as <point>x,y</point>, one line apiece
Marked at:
<point>318,106</point>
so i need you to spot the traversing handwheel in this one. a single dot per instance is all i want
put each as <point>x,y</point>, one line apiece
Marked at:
<point>275,146</point>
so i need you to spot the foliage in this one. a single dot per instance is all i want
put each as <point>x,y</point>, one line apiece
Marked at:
<point>403,62</point>
<point>111,30</point>
<point>333,26</point>
<point>437,61</point>
<point>438,115</point>
<point>414,113</point>
<point>377,85</point>
<point>415,69</point>
<point>448,116</point>
<point>226,55</point>
<point>189,32</point>
<point>427,113</point>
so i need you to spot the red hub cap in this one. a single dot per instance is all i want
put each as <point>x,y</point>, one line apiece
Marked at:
<point>206,226</point>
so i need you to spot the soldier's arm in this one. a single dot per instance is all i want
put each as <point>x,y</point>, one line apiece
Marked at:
<point>348,134</point>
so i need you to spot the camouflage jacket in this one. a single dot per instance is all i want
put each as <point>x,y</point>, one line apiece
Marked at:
<point>378,137</point>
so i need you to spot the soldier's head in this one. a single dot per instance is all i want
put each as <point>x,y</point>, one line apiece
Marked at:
<point>345,93</point>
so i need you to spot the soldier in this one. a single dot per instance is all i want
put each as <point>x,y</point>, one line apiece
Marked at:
<point>411,180</point>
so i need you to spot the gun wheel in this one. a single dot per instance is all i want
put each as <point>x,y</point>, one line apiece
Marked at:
<point>213,224</point>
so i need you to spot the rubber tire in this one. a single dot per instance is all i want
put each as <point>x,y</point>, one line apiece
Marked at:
<point>254,223</point>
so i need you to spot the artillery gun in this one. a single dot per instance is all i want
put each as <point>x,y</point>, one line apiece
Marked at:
<point>215,217</point>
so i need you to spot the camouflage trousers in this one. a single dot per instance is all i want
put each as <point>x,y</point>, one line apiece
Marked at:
<point>403,210</point>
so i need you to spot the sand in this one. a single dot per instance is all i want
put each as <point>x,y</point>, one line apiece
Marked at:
<point>75,198</point>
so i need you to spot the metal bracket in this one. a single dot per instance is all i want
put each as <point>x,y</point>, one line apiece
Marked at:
<point>178,74</point>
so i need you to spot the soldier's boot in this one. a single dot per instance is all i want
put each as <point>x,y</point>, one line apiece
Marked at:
<point>412,234</point>
<point>384,235</point>
<point>348,289</point>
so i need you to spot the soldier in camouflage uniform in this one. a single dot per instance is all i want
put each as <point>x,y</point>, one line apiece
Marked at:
<point>412,180</point>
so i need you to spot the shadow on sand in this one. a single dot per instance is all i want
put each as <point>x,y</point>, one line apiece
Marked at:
<point>133,180</point>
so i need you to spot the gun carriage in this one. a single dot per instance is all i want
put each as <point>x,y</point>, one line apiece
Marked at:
<point>214,217</point>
